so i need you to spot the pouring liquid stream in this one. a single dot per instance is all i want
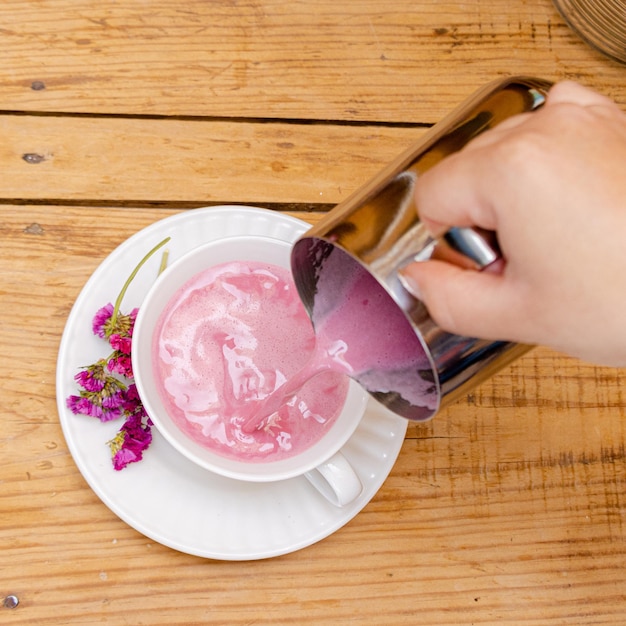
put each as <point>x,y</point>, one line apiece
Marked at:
<point>323,359</point>
<point>362,334</point>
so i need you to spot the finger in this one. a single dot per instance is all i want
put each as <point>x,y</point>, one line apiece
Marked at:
<point>451,193</point>
<point>466,302</point>
<point>444,197</point>
<point>570,92</point>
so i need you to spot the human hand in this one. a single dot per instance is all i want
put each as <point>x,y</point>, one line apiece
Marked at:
<point>552,185</point>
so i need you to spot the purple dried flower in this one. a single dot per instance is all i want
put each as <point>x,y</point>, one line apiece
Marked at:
<point>92,378</point>
<point>101,319</point>
<point>132,394</point>
<point>130,442</point>
<point>79,405</point>
<point>109,323</point>
<point>113,401</point>
<point>133,404</point>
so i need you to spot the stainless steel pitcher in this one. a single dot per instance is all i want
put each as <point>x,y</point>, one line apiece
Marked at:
<point>377,231</point>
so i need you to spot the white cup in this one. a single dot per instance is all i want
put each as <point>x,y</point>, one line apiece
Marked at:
<point>323,464</point>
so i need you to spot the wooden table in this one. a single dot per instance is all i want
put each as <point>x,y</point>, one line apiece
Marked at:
<point>508,508</point>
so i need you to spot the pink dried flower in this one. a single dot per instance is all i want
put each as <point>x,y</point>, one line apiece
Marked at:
<point>121,343</point>
<point>132,316</point>
<point>107,397</point>
<point>130,442</point>
<point>120,364</point>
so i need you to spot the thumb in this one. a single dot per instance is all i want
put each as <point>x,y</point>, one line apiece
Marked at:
<point>464,302</point>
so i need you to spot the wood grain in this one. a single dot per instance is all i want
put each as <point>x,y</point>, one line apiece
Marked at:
<point>201,161</point>
<point>409,62</point>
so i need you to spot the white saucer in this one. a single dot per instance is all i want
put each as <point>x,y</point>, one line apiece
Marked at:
<point>165,496</point>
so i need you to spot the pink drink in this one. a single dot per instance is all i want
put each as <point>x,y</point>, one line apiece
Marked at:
<point>382,351</point>
<point>228,339</point>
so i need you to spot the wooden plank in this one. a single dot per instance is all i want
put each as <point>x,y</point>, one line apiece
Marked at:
<point>506,509</point>
<point>199,161</point>
<point>407,62</point>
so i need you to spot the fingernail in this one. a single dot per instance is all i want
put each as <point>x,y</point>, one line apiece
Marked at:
<point>408,282</point>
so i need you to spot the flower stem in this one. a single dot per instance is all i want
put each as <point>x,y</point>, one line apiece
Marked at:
<point>129,280</point>
<point>164,259</point>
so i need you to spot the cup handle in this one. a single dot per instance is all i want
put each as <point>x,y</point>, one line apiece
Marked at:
<point>336,480</point>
